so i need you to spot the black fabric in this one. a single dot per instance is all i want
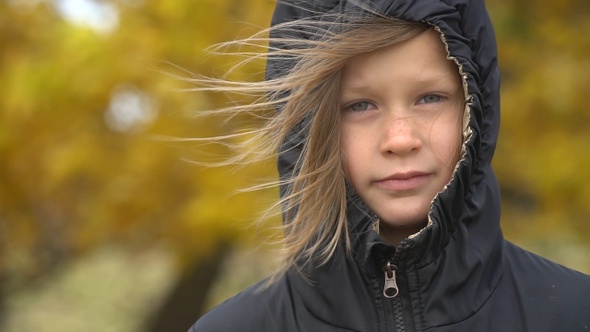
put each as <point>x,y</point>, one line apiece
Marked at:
<point>459,273</point>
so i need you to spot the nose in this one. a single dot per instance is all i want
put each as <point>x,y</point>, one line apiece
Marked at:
<point>400,135</point>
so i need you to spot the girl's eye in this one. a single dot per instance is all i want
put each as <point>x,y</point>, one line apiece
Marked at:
<point>427,99</point>
<point>360,106</point>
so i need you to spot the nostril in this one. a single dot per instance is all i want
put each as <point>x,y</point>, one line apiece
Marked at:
<point>400,139</point>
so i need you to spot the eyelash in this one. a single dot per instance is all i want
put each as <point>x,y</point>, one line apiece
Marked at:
<point>438,97</point>
<point>368,105</point>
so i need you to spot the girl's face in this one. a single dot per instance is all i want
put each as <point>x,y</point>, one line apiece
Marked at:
<point>401,129</point>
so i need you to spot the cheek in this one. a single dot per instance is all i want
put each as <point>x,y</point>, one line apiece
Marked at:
<point>447,141</point>
<point>345,152</point>
<point>352,150</point>
<point>348,153</point>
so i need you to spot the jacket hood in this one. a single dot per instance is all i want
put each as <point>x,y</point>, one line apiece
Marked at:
<point>464,229</point>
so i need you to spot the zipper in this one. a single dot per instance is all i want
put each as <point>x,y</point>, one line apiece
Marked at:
<point>390,289</point>
<point>392,301</point>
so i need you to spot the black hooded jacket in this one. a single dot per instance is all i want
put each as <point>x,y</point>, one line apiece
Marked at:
<point>458,273</point>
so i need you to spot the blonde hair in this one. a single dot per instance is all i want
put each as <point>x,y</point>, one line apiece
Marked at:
<point>303,101</point>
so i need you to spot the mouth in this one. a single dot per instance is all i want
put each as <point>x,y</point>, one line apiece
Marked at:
<point>404,181</point>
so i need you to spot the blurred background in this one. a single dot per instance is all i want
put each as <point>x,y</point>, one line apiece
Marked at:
<point>105,226</point>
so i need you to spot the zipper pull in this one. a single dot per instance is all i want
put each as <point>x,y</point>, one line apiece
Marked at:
<point>390,289</point>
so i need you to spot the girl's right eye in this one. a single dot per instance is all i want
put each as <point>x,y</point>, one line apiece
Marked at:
<point>360,106</point>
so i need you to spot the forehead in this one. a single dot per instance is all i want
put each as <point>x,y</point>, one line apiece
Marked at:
<point>422,56</point>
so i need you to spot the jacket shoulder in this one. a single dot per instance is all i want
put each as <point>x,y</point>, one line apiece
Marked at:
<point>547,290</point>
<point>540,271</point>
<point>247,311</point>
<point>290,304</point>
<point>255,309</point>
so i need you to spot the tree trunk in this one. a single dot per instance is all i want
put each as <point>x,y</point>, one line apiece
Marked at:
<point>185,302</point>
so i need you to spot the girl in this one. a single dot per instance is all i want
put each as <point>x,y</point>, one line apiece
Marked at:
<point>388,115</point>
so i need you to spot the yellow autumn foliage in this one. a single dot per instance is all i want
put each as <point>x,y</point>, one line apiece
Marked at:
<point>70,180</point>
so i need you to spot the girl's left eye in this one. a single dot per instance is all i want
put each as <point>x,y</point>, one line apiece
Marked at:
<point>427,99</point>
